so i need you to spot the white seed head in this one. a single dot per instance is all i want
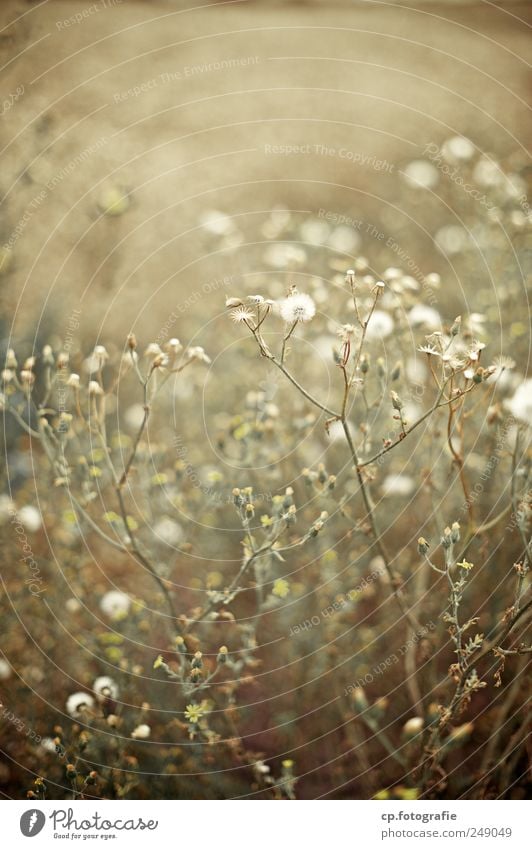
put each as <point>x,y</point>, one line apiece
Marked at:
<point>297,307</point>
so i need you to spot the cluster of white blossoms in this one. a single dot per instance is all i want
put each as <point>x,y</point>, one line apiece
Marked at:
<point>296,307</point>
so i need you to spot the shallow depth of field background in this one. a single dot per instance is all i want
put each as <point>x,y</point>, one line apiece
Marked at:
<point>113,205</point>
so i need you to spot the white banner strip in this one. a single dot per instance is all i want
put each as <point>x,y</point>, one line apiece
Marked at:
<point>310,824</point>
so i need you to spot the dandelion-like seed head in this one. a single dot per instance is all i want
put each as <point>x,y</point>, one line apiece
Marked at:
<point>105,688</point>
<point>297,307</point>
<point>77,703</point>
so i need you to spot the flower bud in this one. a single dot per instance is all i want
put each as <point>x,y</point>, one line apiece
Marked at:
<point>455,532</point>
<point>455,329</point>
<point>396,371</point>
<point>73,381</point>
<point>422,545</point>
<point>413,726</point>
<point>197,660</point>
<point>397,404</point>
<point>358,696</point>
<point>447,539</point>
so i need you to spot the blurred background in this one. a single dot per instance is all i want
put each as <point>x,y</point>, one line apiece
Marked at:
<point>170,111</point>
<point>157,157</point>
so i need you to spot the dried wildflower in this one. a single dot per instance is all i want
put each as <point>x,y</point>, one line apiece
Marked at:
<point>455,329</point>
<point>105,688</point>
<point>141,732</point>
<point>30,517</point>
<point>95,388</point>
<point>520,405</point>
<point>504,363</point>
<point>360,702</point>
<point>297,307</point>
<point>11,360</point>
<point>197,660</point>
<point>255,299</point>
<point>422,545</point>
<point>5,670</point>
<point>423,316</point>
<point>153,350</point>
<point>115,604</point>
<point>222,655</point>
<point>198,353</point>
<point>241,314</point>
<point>78,703</point>
<point>350,277</point>
<point>397,404</point>
<point>174,346</point>
<point>380,325</point>
<point>73,380</point>
<point>429,350</point>
<point>413,726</point>
<point>261,768</point>
<point>346,331</point>
<point>27,377</point>
<point>446,539</point>
<point>231,303</point>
